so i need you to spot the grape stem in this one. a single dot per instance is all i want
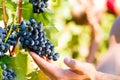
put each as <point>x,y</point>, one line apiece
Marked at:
<point>4,14</point>
<point>19,20</point>
<point>8,34</point>
<point>20,11</point>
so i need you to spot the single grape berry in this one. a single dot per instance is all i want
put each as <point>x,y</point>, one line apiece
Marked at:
<point>55,56</point>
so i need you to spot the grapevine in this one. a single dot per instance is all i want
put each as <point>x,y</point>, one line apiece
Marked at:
<point>27,35</point>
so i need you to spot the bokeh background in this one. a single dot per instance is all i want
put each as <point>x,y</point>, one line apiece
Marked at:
<point>73,40</point>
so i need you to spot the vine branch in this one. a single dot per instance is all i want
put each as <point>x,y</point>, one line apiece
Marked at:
<point>4,14</point>
<point>19,20</point>
<point>20,11</point>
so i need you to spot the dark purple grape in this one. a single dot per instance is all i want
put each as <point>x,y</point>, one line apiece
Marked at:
<point>22,27</point>
<point>55,56</point>
<point>50,57</point>
<point>5,78</point>
<point>30,29</point>
<point>28,23</point>
<point>4,66</point>
<point>13,74</point>
<point>2,47</point>
<point>9,70</point>
<point>39,5</point>
<point>27,42</point>
<point>32,21</point>
<point>34,39</point>
<point>7,41</point>
<point>4,73</point>
<point>7,73</point>
<point>13,36</point>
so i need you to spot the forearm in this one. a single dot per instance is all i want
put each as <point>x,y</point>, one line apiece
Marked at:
<point>105,76</point>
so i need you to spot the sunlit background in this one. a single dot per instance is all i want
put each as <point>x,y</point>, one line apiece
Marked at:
<point>72,40</point>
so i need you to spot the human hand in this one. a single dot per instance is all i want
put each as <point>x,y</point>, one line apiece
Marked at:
<point>77,71</point>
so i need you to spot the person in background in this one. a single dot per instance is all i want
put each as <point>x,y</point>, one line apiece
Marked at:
<point>108,69</point>
<point>90,12</point>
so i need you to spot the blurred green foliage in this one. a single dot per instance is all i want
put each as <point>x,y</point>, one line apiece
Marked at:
<point>74,40</point>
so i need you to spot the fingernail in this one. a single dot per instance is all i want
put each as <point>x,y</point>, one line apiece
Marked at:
<point>67,60</point>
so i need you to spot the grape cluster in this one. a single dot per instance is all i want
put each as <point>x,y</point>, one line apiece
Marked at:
<point>33,37</point>
<point>7,73</point>
<point>39,5</point>
<point>5,44</point>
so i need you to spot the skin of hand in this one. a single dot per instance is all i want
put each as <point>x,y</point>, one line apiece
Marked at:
<point>77,70</point>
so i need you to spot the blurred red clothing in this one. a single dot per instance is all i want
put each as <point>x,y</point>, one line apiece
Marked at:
<point>111,6</point>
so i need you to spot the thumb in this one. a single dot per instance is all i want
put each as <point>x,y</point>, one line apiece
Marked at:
<point>74,65</point>
<point>80,67</point>
<point>70,63</point>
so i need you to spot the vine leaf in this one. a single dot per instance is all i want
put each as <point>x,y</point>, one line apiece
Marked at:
<point>0,73</point>
<point>25,1</point>
<point>19,64</point>
<point>50,33</point>
<point>10,6</point>
<point>5,60</point>
<point>1,17</point>
<point>42,76</point>
<point>27,11</point>
<point>32,76</point>
<point>23,65</point>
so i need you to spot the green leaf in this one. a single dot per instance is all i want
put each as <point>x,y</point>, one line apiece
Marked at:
<point>22,65</point>
<point>0,3</point>
<point>5,60</point>
<point>0,73</point>
<point>49,11</point>
<point>11,6</point>
<point>39,18</point>
<point>25,1</point>
<point>54,0</point>
<point>32,76</point>
<point>45,17</point>
<point>51,34</point>
<point>19,64</point>
<point>1,13</point>
<point>27,11</point>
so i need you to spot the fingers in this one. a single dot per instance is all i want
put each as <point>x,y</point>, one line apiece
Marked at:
<point>40,61</point>
<point>76,65</point>
<point>71,63</point>
<point>80,68</point>
<point>55,72</point>
<point>47,67</point>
